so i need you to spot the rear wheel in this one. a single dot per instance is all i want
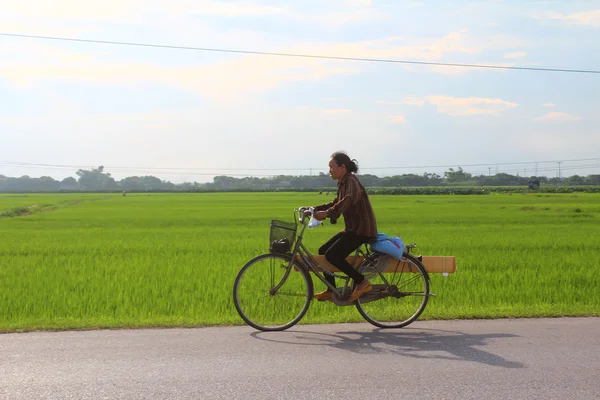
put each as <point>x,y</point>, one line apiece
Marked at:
<point>268,297</point>
<point>398,298</point>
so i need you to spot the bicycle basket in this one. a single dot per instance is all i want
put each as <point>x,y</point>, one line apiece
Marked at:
<point>282,236</point>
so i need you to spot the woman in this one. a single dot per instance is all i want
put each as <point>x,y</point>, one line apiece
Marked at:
<point>353,203</point>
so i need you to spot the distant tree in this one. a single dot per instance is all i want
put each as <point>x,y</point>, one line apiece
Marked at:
<point>433,179</point>
<point>534,184</point>
<point>452,176</point>
<point>576,180</point>
<point>27,184</point>
<point>46,184</point>
<point>69,183</point>
<point>592,180</point>
<point>555,181</point>
<point>145,183</point>
<point>542,179</point>
<point>95,179</point>
<point>369,180</point>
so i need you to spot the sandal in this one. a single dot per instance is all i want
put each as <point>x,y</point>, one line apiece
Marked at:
<point>359,292</point>
<point>324,296</point>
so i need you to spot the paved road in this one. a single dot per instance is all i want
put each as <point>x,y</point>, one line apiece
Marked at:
<point>497,359</point>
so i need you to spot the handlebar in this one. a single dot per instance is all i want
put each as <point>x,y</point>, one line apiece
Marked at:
<point>302,217</point>
<point>301,210</point>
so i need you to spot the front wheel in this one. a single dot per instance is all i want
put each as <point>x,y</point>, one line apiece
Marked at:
<point>270,296</point>
<point>398,298</point>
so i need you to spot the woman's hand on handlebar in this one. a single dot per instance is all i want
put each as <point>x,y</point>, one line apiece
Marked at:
<point>320,215</point>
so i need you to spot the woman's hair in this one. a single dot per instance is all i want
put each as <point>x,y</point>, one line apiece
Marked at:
<point>342,158</point>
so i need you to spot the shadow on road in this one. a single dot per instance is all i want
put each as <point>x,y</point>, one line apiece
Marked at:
<point>424,343</point>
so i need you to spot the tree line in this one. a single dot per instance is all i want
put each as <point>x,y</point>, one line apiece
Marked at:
<point>96,179</point>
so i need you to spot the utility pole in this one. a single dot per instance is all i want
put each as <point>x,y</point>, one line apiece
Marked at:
<point>489,171</point>
<point>559,169</point>
<point>536,169</point>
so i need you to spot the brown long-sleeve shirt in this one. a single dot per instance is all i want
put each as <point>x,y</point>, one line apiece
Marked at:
<point>353,203</point>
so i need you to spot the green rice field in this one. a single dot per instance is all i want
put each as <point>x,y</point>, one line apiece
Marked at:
<point>79,261</point>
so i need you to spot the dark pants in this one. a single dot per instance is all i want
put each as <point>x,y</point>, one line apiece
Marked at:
<point>338,248</point>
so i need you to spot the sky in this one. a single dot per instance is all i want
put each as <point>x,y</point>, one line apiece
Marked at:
<point>188,115</point>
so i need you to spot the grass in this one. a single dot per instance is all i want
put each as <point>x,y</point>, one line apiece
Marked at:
<point>89,260</point>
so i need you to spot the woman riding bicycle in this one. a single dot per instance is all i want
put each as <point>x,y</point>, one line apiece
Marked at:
<point>353,203</point>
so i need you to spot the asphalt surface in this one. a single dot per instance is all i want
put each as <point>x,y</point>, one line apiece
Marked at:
<point>482,359</point>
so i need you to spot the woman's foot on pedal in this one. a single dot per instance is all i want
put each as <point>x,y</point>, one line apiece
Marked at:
<point>324,296</point>
<point>360,289</point>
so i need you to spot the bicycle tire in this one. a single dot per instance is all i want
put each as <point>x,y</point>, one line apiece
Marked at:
<point>275,327</point>
<point>425,276</point>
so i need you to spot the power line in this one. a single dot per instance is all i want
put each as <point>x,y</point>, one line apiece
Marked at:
<point>193,173</point>
<point>186,173</point>
<point>483,164</point>
<point>548,169</point>
<point>197,171</point>
<point>16,163</point>
<point>266,53</point>
<point>154,168</point>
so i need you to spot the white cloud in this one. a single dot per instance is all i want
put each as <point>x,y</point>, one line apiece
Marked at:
<point>430,50</point>
<point>591,18</point>
<point>398,119</point>
<point>500,42</point>
<point>45,53</point>
<point>107,10</point>
<point>339,18</point>
<point>41,28</point>
<point>448,70</point>
<point>361,3</point>
<point>557,116</point>
<point>389,103</point>
<point>347,113</point>
<point>461,106</point>
<point>175,21</point>
<point>337,111</point>
<point>213,7</point>
<point>519,54</point>
<point>115,10</point>
<point>152,12</point>
<point>223,81</point>
<point>548,105</point>
<point>414,100</point>
<point>336,14</point>
<point>458,42</point>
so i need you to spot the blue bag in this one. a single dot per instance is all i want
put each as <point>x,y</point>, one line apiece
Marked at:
<point>393,246</point>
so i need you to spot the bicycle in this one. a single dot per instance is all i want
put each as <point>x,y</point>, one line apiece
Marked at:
<point>287,282</point>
